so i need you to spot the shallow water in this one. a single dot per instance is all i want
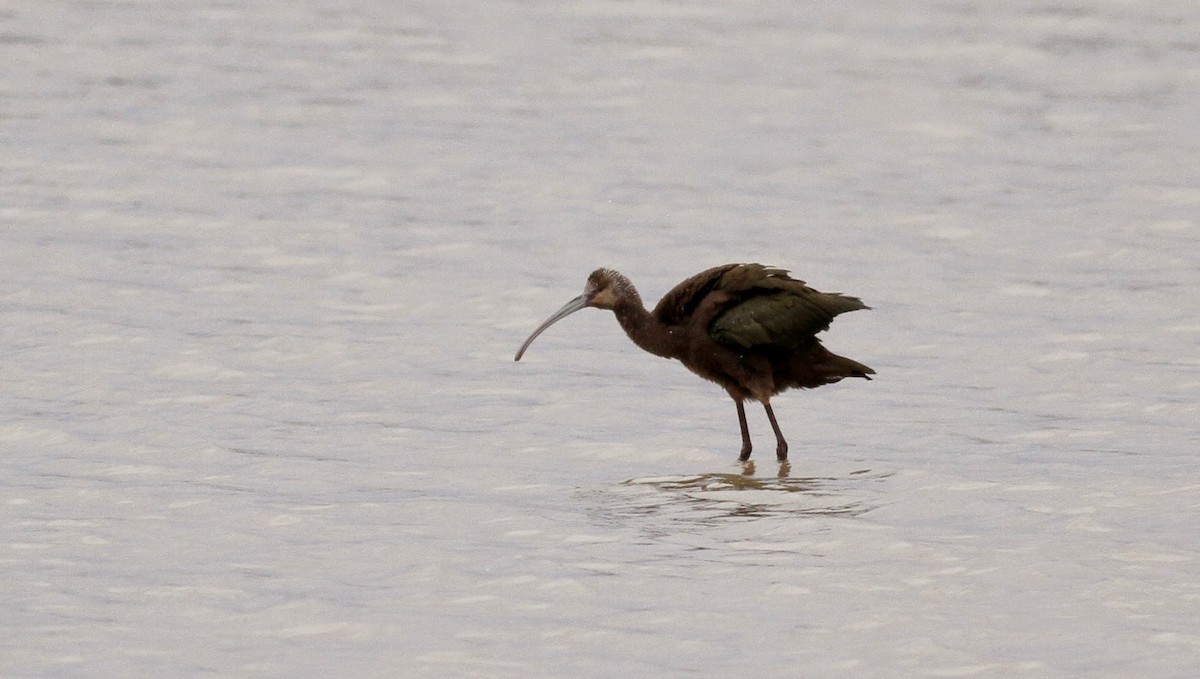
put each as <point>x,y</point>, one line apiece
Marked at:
<point>265,269</point>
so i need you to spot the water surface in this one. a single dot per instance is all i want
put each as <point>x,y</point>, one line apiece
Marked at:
<point>265,268</point>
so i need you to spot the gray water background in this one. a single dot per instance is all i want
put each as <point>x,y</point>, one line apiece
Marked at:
<point>264,267</point>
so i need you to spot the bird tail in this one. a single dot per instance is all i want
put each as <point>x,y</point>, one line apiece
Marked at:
<point>834,368</point>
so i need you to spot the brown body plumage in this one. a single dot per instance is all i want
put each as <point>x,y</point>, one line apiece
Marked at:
<point>749,328</point>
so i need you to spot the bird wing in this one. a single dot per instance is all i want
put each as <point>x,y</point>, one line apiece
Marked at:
<point>767,307</point>
<point>681,302</point>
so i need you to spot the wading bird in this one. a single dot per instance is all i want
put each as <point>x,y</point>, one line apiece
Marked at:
<point>748,327</point>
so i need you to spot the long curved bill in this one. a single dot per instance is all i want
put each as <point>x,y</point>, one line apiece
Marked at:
<point>569,308</point>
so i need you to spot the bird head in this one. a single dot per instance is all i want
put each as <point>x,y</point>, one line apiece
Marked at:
<point>604,290</point>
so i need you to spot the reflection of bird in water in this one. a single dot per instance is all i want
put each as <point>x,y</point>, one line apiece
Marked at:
<point>707,497</point>
<point>749,328</point>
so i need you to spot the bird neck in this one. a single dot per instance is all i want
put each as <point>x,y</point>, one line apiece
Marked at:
<point>644,329</point>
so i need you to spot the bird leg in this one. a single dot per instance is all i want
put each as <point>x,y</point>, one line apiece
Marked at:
<point>781,445</point>
<point>746,447</point>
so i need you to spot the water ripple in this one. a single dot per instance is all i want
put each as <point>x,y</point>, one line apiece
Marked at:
<point>720,497</point>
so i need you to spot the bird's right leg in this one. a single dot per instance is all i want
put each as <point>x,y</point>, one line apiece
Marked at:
<point>746,447</point>
<point>781,446</point>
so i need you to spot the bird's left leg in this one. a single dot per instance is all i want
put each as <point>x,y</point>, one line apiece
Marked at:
<point>746,446</point>
<point>781,446</point>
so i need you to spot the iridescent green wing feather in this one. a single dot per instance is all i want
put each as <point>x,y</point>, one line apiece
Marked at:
<point>772,309</point>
